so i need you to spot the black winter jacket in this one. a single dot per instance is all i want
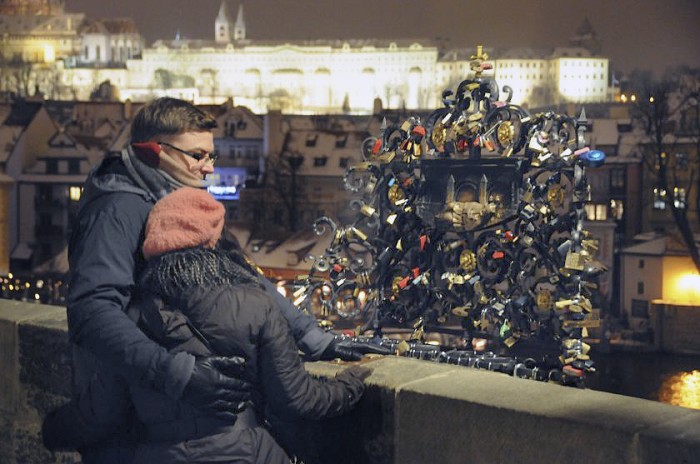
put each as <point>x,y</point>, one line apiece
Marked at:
<point>242,320</point>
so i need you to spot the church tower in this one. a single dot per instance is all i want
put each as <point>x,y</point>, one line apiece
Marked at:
<point>222,25</point>
<point>239,27</point>
<point>587,38</point>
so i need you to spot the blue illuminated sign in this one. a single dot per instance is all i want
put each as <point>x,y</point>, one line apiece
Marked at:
<point>225,183</point>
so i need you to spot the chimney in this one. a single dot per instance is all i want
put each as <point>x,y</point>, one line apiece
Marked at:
<point>126,108</point>
<point>377,107</point>
<point>273,136</point>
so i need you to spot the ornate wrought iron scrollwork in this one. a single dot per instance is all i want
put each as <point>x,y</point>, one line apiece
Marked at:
<point>507,259</point>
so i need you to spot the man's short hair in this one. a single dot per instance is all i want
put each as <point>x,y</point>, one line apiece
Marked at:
<point>169,116</point>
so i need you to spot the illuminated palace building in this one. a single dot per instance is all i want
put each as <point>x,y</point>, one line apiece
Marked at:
<point>319,76</point>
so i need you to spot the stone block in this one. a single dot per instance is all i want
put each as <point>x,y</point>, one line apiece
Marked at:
<point>676,440</point>
<point>36,367</point>
<point>484,417</point>
<point>12,315</point>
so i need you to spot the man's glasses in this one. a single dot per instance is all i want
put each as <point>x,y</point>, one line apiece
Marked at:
<point>211,157</point>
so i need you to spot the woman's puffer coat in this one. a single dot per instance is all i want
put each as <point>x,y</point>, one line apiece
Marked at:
<point>238,320</point>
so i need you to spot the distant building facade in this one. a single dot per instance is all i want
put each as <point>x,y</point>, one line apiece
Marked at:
<point>110,42</point>
<point>307,77</point>
<point>38,31</point>
<point>48,149</point>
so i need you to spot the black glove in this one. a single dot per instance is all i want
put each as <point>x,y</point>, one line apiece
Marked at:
<point>349,350</point>
<point>217,385</point>
<point>353,378</point>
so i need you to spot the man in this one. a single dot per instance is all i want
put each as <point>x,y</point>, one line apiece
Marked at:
<point>171,146</point>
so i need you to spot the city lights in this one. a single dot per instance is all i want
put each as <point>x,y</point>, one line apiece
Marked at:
<point>49,53</point>
<point>688,288</point>
<point>682,389</point>
<point>74,192</point>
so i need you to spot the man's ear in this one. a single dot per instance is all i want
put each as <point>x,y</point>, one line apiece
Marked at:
<point>148,152</point>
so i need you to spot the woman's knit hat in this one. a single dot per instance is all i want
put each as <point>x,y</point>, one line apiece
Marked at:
<point>185,218</point>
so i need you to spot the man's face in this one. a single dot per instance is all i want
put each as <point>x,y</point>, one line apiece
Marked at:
<point>200,142</point>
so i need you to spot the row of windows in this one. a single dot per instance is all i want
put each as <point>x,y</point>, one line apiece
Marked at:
<point>541,64</point>
<point>520,65</point>
<point>119,54</point>
<point>233,126</point>
<point>679,198</point>
<point>321,161</point>
<point>587,76</point>
<point>520,76</point>
<point>73,166</point>
<point>602,211</point>
<point>340,142</point>
<point>45,192</point>
<point>579,64</point>
<point>575,89</point>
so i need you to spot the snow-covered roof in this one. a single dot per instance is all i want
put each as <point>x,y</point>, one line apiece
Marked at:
<point>292,253</point>
<point>661,246</point>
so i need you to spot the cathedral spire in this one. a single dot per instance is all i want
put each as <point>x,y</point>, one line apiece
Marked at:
<point>586,37</point>
<point>222,25</point>
<point>239,27</point>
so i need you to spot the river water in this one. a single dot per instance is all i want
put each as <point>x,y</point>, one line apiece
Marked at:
<point>672,379</point>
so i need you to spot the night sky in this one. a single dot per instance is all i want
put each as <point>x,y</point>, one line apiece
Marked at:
<point>641,34</point>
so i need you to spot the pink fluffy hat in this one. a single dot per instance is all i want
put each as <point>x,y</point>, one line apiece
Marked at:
<point>185,218</point>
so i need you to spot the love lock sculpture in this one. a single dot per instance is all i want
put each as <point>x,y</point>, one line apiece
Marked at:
<point>470,223</point>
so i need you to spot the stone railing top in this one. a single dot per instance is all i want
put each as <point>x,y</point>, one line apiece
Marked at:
<point>441,413</point>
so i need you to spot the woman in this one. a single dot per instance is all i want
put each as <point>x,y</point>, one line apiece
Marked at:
<point>208,302</point>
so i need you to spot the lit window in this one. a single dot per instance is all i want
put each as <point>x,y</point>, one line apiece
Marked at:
<point>659,198</point>
<point>74,193</point>
<point>679,198</point>
<point>596,211</point>
<point>601,212</point>
<point>617,209</point>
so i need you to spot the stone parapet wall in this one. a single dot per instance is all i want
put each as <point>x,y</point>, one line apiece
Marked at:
<point>36,377</point>
<point>676,327</point>
<point>413,411</point>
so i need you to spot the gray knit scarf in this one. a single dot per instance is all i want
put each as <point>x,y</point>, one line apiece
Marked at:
<point>155,182</point>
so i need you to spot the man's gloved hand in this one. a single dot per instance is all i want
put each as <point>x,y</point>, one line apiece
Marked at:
<point>217,385</point>
<point>349,350</point>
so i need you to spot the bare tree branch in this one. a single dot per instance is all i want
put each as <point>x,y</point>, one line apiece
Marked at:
<point>657,111</point>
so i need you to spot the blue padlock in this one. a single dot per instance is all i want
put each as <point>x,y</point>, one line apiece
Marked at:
<point>592,158</point>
